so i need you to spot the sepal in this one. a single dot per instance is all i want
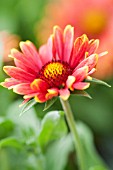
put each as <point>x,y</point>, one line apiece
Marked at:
<point>49,103</point>
<point>28,106</point>
<point>81,93</point>
<point>97,81</point>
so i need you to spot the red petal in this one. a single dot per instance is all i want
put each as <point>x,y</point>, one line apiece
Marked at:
<point>32,55</point>
<point>70,81</point>
<point>51,93</point>
<point>44,54</point>
<point>68,42</point>
<point>46,51</point>
<point>50,48</point>
<point>79,50</point>
<point>26,68</point>
<point>23,89</point>
<point>92,47</point>
<point>29,96</point>
<point>24,59</point>
<point>58,41</point>
<point>19,74</point>
<point>64,93</point>
<point>90,61</point>
<point>40,98</point>
<point>81,73</point>
<point>81,85</point>
<point>10,83</point>
<point>39,85</point>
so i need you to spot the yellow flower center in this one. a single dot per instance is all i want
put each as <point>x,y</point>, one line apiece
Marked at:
<point>93,22</point>
<point>55,73</point>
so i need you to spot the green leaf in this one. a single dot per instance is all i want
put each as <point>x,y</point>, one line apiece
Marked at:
<point>49,103</point>
<point>10,141</point>
<point>27,122</point>
<point>81,93</point>
<point>94,80</point>
<point>91,157</point>
<point>57,154</point>
<point>28,106</point>
<point>98,168</point>
<point>53,127</point>
<point>6,127</point>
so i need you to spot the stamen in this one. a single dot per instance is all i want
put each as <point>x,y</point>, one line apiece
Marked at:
<point>55,73</point>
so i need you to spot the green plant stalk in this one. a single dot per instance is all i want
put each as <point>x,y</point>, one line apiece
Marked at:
<point>73,129</point>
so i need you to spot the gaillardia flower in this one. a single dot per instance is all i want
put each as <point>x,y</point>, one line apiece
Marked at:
<point>92,17</point>
<point>60,67</point>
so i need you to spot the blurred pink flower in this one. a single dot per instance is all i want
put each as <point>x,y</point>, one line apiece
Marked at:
<point>7,42</point>
<point>92,17</point>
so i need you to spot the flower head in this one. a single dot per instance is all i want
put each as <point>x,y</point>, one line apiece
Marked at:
<point>92,17</point>
<point>59,68</point>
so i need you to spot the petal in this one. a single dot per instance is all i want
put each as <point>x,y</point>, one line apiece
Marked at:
<point>31,53</point>
<point>26,68</point>
<point>81,73</point>
<point>81,85</point>
<point>29,96</point>
<point>10,83</point>
<point>50,48</point>
<point>68,42</point>
<point>19,74</point>
<point>51,93</point>
<point>24,59</point>
<point>58,41</point>
<point>92,71</point>
<point>93,45</point>
<point>80,47</point>
<point>39,85</point>
<point>23,89</point>
<point>90,61</point>
<point>40,98</point>
<point>70,81</point>
<point>44,54</point>
<point>46,51</point>
<point>64,93</point>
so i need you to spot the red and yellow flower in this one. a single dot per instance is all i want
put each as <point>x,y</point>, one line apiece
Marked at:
<point>59,68</point>
<point>92,17</point>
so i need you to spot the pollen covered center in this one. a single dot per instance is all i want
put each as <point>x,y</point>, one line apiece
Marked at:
<point>55,73</point>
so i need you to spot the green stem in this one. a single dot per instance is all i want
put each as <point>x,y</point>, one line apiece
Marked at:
<point>72,126</point>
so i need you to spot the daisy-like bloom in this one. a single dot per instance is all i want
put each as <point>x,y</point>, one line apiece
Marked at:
<point>92,17</point>
<point>59,68</point>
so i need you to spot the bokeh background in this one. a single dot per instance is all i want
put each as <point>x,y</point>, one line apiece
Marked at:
<point>33,20</point>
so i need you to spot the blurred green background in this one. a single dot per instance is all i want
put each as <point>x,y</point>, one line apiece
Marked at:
<point>29,142</point>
